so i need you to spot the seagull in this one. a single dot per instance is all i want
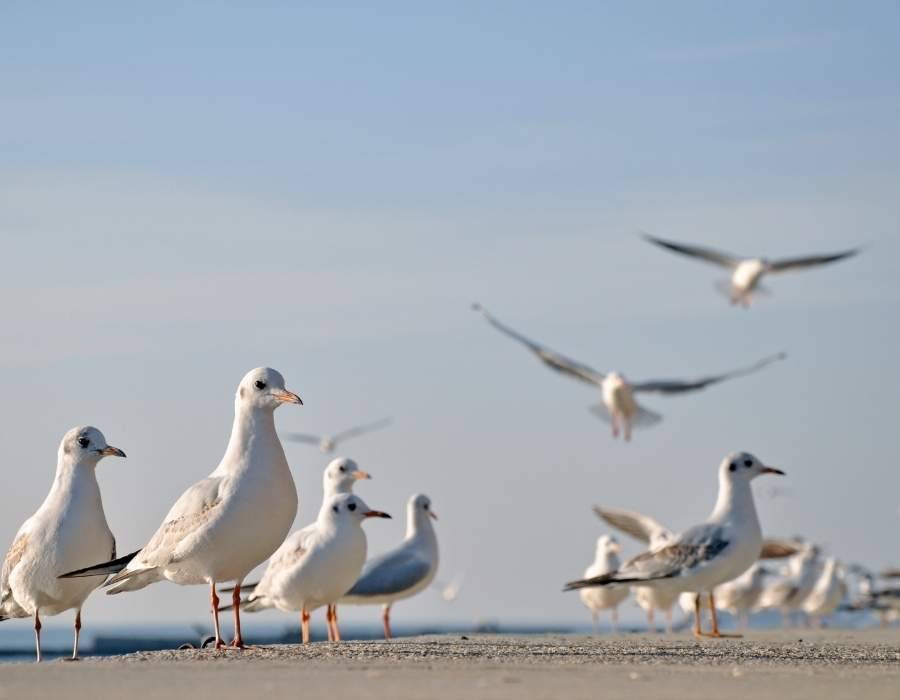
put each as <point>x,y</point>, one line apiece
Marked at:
<point>402,572</point>
<point>318,564</point>
<point>227,524</point>
<point>619,406</point>
<point>746,273</point>
<point>339,478</point>
<point>740,596</point>
<point>606,560</point>
<point>655,536</point>
<point>707,555</point>
<point>827,593</point>
<point>69,529</point>
<point>328,443</point>
<point>788,592</point>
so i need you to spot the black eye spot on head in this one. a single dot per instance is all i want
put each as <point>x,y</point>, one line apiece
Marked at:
<point>748,463</point>
<point>732,467</point>
<point>351,507</point>
<point>342,468</point>
<point>336,509</point>
<point>83,441</point>
<point>260,384</point>
<point>425,506</point>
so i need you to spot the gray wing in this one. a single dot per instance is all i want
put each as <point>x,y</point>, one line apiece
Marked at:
<point>708,254</point>
<point>361,429</point>
<point>552,359</point>
<point>641,527</point>
<point>393,572</point>
<point>8,606</point>
<point>677,386</point>
<point>303,437</point>
<point>809,261</point>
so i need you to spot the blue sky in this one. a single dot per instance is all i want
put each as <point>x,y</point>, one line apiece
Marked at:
<point>203,188</point>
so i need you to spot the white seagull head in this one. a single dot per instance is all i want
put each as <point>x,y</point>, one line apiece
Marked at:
<point>607,544</point>
<point>341,474</point>
<point>419,508</point>
<point>263,389</point>
<point>743,466</point>
<point>350,508</point>
<point>86,445</point>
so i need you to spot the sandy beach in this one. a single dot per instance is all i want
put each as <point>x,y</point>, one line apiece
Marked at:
<point>798,664</point>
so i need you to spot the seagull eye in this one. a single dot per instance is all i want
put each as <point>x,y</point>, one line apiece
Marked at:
<point>425,506</point>
<point>336,509</point>
<point>83,441</point>
<point>351,507</point>
<point>341,469</point>
<point>748,463</point>
<point>260,384</point>
<point>732,467</point>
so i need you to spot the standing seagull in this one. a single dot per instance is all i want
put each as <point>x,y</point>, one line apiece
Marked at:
<point>339,477</point>
<point>69,529</point>
<point>746,273</point>
<point>655,536</point>
<point>327,443</point>
<point>619,406</point>
<point>701,558</point>
<point>402,572</point>
<point>318,564</point>
<point>606,560</point>
<point>232,521</point>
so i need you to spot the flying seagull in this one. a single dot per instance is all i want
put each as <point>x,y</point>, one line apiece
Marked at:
<point>328,443</point>
<point>619,407</point>
<point>746,273</point>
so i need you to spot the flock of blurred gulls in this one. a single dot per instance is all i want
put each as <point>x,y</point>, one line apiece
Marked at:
<point>224,526</point>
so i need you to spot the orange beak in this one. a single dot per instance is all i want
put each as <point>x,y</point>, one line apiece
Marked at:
<point>433,515</point>
<point>285,396</point>
<point>110,451</point>
<point>361,475</point>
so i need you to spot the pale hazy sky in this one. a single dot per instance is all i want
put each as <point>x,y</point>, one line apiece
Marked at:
<point>204,188</point>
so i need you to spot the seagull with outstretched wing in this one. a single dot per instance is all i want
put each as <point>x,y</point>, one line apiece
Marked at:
<point>619,406</point>
<point>747,273</point>
<point>328,443</point>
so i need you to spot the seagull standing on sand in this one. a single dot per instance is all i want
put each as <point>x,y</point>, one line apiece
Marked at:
<point>827,593</point>
<point>788,592</point>
<point>328,443</point>
<point>741,595</point>
<point>619,406</point>
<point>707,555</point>
<point>746,273</point>
<point>655,536</point>
<point>318,564</point>
<point>68,530</point>
<point>339,477</point>
<point>606,560</point>
<point>232,521</point>
<point>402,572</point>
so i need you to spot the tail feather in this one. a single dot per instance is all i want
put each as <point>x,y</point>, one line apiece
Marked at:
<point>612,578</point>
<point>104,569</point>
<point>132,580</point>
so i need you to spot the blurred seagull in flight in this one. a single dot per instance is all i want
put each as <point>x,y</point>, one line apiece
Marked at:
<point>707,555</point>
<point>746,273</point>
<point>619,406</point>
<point>328,443</point>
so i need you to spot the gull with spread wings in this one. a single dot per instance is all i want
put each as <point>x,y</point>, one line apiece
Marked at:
<point>747,273</point>
<point>619,406</point>
<point>328,443</point>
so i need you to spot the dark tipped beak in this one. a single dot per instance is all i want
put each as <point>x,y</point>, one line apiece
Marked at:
<point>361,475</point>
<point>772,470</point>
<point>433,515</point>
<point>285,396</point>
<point>110,451</point>
<point>376,514</point>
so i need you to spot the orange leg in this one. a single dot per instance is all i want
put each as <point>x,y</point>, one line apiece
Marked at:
<point>334,621</point>
<point>214,601</point>
<point>304,625</point>
<point>77,635</point>
<point>698,628</point>
<point>715,620</point>
<point>238,641</point>
<point>386,619</point>
<point>329,623</point>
